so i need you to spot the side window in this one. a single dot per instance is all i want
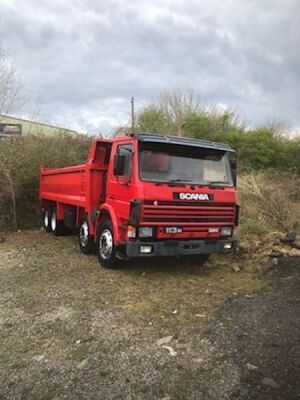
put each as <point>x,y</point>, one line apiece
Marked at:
<point>125,150</point>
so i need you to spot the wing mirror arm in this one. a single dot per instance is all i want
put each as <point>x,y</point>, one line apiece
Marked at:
<point>233,164</point>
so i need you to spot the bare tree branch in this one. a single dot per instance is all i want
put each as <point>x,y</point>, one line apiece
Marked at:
<point>176,105</point>
<point>10,86</point>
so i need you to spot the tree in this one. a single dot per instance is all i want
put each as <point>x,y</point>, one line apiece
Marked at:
<point>152,119</point>
<point>10,101</point>
<point>177,105</point>
<point>180,113</point>
<point>10,86</point>
<point>7,183</point>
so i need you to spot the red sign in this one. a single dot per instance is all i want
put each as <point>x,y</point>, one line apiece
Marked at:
<point>10,129</point>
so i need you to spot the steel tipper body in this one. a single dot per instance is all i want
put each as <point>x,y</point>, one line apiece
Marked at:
<point>145,195</point>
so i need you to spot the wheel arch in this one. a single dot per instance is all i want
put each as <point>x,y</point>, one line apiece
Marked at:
<point>107,212</point>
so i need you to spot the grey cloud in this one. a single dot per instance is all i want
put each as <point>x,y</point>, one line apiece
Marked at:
<point>85,59</point>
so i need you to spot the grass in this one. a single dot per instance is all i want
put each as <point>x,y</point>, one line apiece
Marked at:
<point>52,297</point>
<point>268,202</point>
<point>253,228</point>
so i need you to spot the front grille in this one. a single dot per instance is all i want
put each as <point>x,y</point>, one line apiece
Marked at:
<point>202,213</point>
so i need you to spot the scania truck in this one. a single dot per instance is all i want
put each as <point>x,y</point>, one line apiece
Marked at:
<point>145,195</point>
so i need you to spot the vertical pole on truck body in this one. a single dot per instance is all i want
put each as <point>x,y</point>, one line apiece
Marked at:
<point>132,115</point>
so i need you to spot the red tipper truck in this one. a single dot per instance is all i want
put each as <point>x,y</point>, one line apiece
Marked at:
<point>145,195</point>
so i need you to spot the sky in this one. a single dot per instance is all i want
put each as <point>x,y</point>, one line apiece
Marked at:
<point>80,61</point>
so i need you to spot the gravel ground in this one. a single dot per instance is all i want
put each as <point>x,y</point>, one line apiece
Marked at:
<point>152,330</point>
<point>260,334</point>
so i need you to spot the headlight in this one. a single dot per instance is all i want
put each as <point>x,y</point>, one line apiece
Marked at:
<point>145,249</point>
<point>226,231</point>
<point>145,231</point>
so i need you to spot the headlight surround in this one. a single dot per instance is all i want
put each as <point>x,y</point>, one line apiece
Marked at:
<point>146,231</point>
<point>226,231</point>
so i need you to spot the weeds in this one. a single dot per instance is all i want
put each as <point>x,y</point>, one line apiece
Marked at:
<point>20,162</point>
<point>269,202</point>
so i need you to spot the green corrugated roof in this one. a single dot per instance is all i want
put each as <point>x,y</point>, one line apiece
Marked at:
<point>9,119</point>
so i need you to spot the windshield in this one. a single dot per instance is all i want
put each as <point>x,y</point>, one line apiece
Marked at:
<point>177,163</point>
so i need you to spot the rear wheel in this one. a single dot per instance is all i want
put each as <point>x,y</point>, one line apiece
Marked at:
<point>86,241</point>
<point>47,220</point>
<point>106,249</point>
<point>57,226</point>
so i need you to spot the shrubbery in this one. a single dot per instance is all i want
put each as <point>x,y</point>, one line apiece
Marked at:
<point>257,149</point>
<point>20,162</point>
<point>269,202</point>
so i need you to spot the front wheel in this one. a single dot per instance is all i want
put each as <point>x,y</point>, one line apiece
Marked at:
<point>106,249</point>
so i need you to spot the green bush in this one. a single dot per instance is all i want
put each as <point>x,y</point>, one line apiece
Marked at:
<point>258,149</point>
<point>20,163</point>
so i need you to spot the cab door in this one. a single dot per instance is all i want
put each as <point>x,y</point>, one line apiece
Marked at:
<point>119,189</point>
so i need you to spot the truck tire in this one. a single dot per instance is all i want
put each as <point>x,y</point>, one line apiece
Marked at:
<point>57,226</point>
<point>196,260</point>
<point>106,250</point>
<point>47,220</point>
<point>86,241</point>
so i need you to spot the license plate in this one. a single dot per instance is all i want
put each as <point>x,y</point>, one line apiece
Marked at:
<point>173,229</point>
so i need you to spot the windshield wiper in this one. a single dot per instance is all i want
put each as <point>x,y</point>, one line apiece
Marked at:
<point>218,183</point>
<point>174,182</point>
<point>178,182</point>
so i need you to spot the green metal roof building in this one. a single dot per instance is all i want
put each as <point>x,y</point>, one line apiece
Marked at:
<point>13,126</point>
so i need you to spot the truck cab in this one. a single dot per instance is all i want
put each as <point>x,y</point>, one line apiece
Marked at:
<point>170,196</point>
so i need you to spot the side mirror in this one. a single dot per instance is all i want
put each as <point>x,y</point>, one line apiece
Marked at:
<point>119,167</point>
<point>233,165</point>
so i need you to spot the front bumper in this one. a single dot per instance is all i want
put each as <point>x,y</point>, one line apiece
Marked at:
<point>180,247</point>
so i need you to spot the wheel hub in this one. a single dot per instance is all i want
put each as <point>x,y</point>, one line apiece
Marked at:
<point>106,244</point>
<point>46,219</point>
<point>84,234</point>
<point>53,222</point>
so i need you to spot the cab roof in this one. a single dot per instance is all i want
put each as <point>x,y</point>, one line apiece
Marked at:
<point>158,138</point>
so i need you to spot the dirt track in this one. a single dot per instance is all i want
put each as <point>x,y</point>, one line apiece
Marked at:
<point>72,330</point>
